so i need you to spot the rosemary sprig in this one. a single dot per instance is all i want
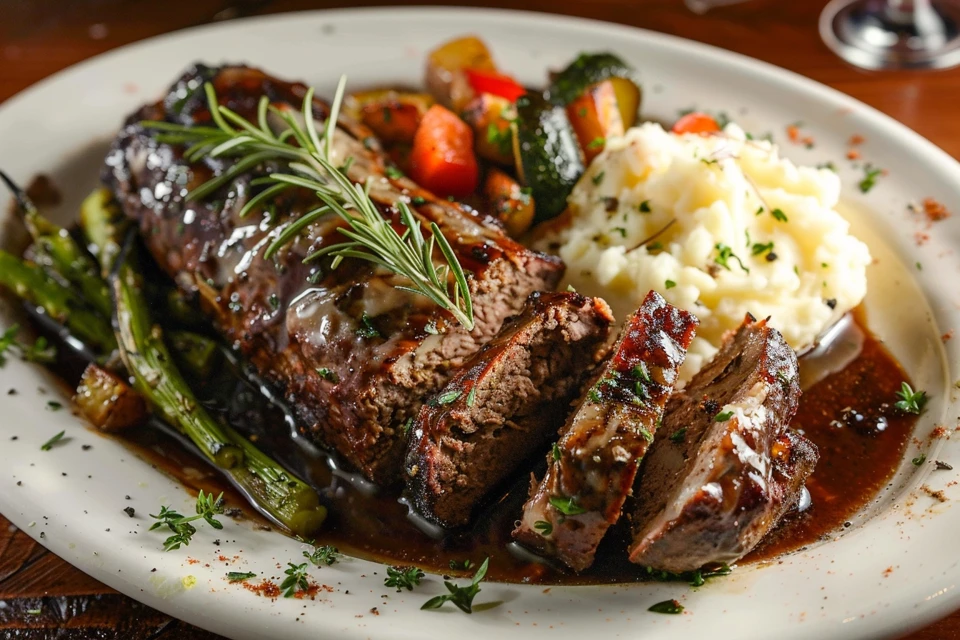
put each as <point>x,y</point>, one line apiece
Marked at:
<point>307,155</point>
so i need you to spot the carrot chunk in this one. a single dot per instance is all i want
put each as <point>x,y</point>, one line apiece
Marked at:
<point>442,158</point>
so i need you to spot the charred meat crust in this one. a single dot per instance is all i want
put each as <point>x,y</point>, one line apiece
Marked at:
<point>504,405</point>
<point>726,467</point>
<point>592,469</point>
<point>353,355</point>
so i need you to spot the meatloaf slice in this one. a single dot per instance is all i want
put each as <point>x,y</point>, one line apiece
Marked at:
<point>728,466</point>
<point>591,469</point>
<point>351,353</point>
<point>504,405</point>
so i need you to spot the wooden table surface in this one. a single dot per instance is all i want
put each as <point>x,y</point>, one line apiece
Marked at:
<point>40,37</point>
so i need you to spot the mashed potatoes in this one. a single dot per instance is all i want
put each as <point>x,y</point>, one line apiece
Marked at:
<point>721,226</point>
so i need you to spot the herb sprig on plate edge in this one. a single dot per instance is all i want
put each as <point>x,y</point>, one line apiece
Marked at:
<point>309,161</point>
<point>207,507</point>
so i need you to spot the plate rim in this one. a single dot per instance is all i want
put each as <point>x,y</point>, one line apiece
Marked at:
<point>902,134</point>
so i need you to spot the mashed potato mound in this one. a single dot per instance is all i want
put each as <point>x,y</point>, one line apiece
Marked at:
<point>720,226</point>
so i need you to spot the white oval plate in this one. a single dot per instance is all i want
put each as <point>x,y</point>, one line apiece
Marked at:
<point>895,569</point>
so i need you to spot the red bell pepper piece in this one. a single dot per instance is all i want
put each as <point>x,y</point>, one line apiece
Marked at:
<point>496,83</point>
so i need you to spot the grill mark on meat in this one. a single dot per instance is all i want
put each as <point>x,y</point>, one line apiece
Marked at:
<point>711,493</point>
<point>602,444</point>
<point>504,405</point>
<point>292,320</point>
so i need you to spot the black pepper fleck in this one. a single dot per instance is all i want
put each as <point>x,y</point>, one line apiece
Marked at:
<point>86,447</point>
<point>130,511</point>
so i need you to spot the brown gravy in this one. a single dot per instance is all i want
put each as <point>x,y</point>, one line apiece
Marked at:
<point>848,413</point>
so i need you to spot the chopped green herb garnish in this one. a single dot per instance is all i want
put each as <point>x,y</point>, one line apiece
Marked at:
<point>418,200</point>
<point>761,248</point>
<point>461,597</point>
<point>240,576</point>
<point>502,138</point>
<point>910,401</point>
<point>622,231</point>
<point>543,527</point>
<point>40,351</point>
<point>46,446</point>
<point>403,578</point>
<point>646,435</point>
<point>53,405</point>
<point>555,451</point>
<point>869,181</point>
<point>779,215</point>
<point>327,374</point>
<point>566,506</point>
<point>667,606</point>
<point>723,417</point>
<point>274,301</point>
<point>472,396</point>
<point>597,179</point>
<point>366,328</point>
<point>919,460</point>
<point>669,284</point>
<point>296,579</point>
<point>678,435</point>
<point>640,371</point>
<point>446,397</point>
<point>827,165</point>
<point>393,173</point>
<point>460,566</point>
<point>759,210</point>
<point>724,255</point>
<point>207,507</point>
<point>644,206</point>
<point>323,555</point>
<point>597,143</point>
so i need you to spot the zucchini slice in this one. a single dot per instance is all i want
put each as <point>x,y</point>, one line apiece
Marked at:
<point>592,68</point>
<point>546,152</point>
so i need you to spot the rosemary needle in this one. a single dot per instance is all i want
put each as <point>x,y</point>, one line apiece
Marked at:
<point>307,154</point>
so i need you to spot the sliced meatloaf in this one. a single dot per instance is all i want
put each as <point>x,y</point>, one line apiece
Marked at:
<point>351,353</point>
<point>504,405</point>
<point>727,466</point>
<point>591,469</point>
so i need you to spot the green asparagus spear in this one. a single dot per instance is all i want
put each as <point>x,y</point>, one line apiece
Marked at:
<point>285,497</point>
<point>103,224</point>
<point>195,353</point>
<point>28,281</point>
<point>64,256</point>
<point>269,486</point>
<point>155,376</point>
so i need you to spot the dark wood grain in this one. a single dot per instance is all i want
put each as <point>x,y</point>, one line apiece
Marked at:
<point>40,37</point>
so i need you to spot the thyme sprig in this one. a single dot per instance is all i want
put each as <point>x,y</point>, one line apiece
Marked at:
<point>461,597</point>
<point>403,578</point>
<point>308,157</point>
<point>207,507</point>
